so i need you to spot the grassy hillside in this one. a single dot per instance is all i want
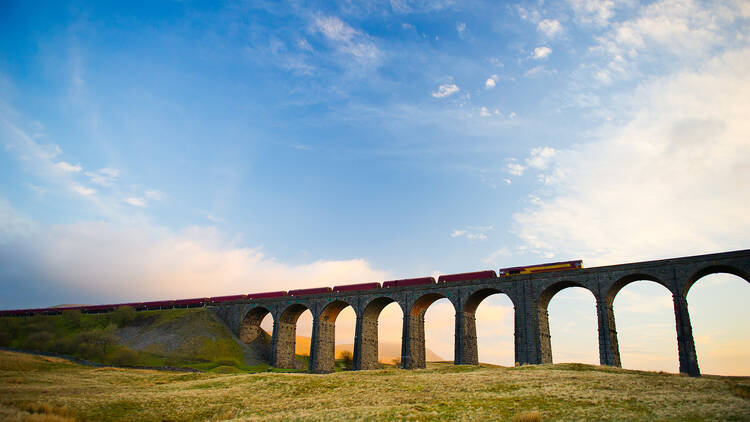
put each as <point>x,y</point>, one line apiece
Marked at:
<point>42,388</point>
<point>190,338</point>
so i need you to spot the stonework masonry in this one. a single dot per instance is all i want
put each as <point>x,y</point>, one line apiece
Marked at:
<point>529,293</point>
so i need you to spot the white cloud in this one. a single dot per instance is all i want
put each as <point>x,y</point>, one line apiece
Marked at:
<point>668,33</point>
<point>541,53</point>
<point>82,190</point>
<point>540,157</point>
<point>304,45</point>
<point>671,179</point>
<point>348,40</point>
<point>461,29</point>
<point>597,12</point>
<point>135,201</point>
<point>445,90</point>
<point>144,262</point>
<point>472,233</point>
<point>549,27</point>
<point>103,177</point>
<point>536,71</point>
<point>515,168</point>
<point>531,15</point>
<point>67,167</point>
<point>484,112</point>
<point>491,81</point>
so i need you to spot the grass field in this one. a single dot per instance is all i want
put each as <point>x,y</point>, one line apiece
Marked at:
<point>37,388</point>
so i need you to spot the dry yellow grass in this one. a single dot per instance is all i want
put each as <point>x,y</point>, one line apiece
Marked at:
<point>441,392</point>
<point>528,417</point>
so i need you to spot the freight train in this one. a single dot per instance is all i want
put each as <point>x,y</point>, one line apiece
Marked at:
<point>207,301</point>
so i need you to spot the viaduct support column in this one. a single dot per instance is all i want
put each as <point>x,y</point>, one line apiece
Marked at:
<point>284,336</point>
<point>465,351</point>
<point>322,346</point>
<point>685,342</point>
<point>609,349</point>
<point>357,358</point>
<point>412,342</point>
<point>528,344</point>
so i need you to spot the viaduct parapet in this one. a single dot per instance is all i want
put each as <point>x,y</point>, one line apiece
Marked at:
<point>530,294</point>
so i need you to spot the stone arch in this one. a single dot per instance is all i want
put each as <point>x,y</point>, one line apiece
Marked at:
<point>413,340</point>
<point>323,353</point>
<point>251,333</point>
<point>714,269</point>
<point>608,304</point>
<point>250,326</point>
<point>366,357</point>
<point>285,333</point>
<point>724,305</point>
<point>419,307</point>
<point>545,346</point>
<point>466,348</point>
<point>615,287</point>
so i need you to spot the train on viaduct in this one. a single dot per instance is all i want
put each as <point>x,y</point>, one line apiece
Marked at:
<point>529,290</point>
<point>530,294</point>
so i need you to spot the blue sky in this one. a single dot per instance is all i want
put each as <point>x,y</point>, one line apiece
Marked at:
<point>195,149</point>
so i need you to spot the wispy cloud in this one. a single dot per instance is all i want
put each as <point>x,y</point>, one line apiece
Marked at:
<point>597,12</point>
<point>445,90</point>
<point>151,262</point>
<point>491,81</point>
<point>67,167</point>
<point>82,190</point>
<point>666,181</point>
<point>472,233</point>
<point>348,40</point>
<point>541,53</point>
<point>103,177</point>
<point>549,27</point>
<point>135,201</point>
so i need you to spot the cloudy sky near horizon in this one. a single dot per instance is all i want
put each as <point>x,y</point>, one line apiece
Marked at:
<point>197,149</point>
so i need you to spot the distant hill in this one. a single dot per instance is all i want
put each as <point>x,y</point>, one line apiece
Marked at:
<point>387,351</point>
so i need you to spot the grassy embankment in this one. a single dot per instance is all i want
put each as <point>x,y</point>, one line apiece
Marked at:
<point>37,388</point>
<point>188,338</point>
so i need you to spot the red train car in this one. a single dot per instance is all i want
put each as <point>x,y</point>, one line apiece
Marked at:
<point>190,303</point>
<point>157,304</point>
<point>268,295</point>
<point>222,299</point>
<point>409,282</point>
<point>95,309</point>
<point>541,268</point>
<point>312,291</point>
<point>356,287</point>
<point>477,275</point>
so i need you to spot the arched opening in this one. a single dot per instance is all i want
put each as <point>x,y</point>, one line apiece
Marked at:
<point>293,345</point>
<point>719,315</point>
<point>346,324</point>
<point>323,359</point>
<point>381,334</point>
<point>433,342</point>
<point>566,342</point>
<point>253,334</point>
<point>573,326</point>
<point>646,336</point>
<point>489,328</point>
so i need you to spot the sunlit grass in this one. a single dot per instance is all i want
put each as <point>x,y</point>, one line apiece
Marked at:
<point>34,386</point>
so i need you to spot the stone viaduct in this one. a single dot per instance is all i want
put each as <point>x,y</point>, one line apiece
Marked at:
<point>530,294</point>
